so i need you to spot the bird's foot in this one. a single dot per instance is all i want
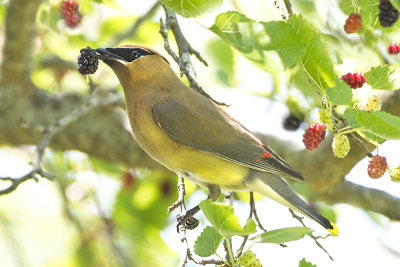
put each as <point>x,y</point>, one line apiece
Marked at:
<point>186,220</point>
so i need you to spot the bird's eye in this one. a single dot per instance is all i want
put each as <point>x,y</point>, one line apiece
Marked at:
<point>135,55</point>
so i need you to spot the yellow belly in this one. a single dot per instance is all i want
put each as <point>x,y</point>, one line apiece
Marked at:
<point>203,168</point>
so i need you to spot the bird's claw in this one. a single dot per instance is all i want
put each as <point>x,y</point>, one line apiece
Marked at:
<point>186,221</point>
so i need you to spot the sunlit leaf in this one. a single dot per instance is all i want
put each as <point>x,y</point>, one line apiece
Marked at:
<point>316,59</point>
<point>223,219</point>
<point>207,242</point>
<point>340,94</point>
<point>191,8</point>
<point>380,123</point>
<point>272,46</point>
<point>351,118</point>
<point>380,78</point>
<point>396,4</point>
<point>282,235</point>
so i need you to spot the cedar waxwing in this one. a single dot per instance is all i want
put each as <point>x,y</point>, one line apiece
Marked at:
<point>192,136</point>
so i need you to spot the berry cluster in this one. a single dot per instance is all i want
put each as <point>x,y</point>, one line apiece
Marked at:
<point>340,146</point>
<point>292,122</point>
<point>388,14</point>
<point>69,10</point>
<point>377,167</point>
<point>353,23</point>
<point>314,135</point>
<point>326,117</point>
<point>394,48</point>
<point>373,103</point>
<point>88,61</point>
<point>354,80</point>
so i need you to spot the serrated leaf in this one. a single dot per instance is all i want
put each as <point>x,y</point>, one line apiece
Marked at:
<point>351,117</point>
<point>272,46</point>
<point>304,263</point>
<point>207,242</point>
<point>316,59</point>
<point>191,8</point>
<point>380,123</point>
<point>282,235</point>
<point>224,220</point>
<point>340,94</point>
<point>380,78</point>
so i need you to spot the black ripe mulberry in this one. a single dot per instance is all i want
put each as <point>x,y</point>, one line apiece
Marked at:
<point>388,14</point>
<point>87,61</point>
<point>292,122</point>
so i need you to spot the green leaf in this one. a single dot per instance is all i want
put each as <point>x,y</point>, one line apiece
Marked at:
<point>224,220</point>
<point>396,4</point>
<point>316,59</point>
<point>304,263</point>
<point>380,78</point>
<point>207,242</point>
<point>351,117</point>
<point>272,46</point>
<point>282,235</point>
<point>380,123</point>
<point>191,8</point>
<point>340,94</point>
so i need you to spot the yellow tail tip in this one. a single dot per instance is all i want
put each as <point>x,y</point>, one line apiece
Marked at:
<point>334,231</point>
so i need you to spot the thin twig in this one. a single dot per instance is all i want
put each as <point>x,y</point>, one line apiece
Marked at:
<point>288,7</point>
<point>184,50</point>
<point>369,154</point>
<point>132,31</point>
<point>285,14</point>
<point>94,100</point>
<point>254,211</point>
<point>182,230</point>
<point>300,219</point>
<point>228,200</point>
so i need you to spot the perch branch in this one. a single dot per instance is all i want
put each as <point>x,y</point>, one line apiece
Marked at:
<point>94,100</point>
<point>184,49</point>
<point>300,219</point>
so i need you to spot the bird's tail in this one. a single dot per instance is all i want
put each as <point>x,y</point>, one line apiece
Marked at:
<point>277,189</point>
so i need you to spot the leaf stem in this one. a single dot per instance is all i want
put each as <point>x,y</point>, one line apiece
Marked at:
<point>230,251</point>
<point>221,259</point>
<point>351,130</point>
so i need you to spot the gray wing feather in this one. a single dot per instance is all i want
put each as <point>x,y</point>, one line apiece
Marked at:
<point>216,133</point>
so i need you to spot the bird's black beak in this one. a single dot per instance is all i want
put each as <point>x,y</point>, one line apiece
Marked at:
<point>108,55</point>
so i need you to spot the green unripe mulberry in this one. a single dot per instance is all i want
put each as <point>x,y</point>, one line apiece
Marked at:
<point>340,146</point>
<point>249,259</point>
<point>326,118</point>
<point>395,175</point>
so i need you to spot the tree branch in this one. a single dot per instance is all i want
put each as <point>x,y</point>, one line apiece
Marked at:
<point>184,49</point>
